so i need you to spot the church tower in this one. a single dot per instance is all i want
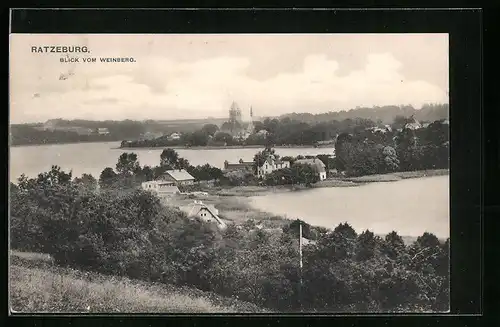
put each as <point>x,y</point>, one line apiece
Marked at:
<point>250,128</point>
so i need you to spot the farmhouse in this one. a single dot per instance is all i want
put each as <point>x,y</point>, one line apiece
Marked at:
<point>317,165</point>
<point>241,165</point>
<point>160,188</point>
<point>207,213</point>
<point>271,164</point>
<point>177,177</point>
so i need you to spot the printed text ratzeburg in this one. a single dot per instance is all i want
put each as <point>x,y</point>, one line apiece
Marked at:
<point>59,49</point>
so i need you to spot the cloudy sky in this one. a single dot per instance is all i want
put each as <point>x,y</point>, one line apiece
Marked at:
<point>198,76</point>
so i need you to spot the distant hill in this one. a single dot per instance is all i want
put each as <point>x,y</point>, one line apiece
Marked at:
<point>384,115</point>
<point>69,131</point>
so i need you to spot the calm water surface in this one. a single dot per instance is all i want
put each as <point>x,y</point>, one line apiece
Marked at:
<point>410,207</point>
<point>94,157</point>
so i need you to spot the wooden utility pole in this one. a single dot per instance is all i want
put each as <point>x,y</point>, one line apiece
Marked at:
<point>300,265</point>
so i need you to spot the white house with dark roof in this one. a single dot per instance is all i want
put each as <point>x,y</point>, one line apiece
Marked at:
<point>317,165</point>
<point>207,213</point>
<point>177,176</point>
<point>161,188</point>
<point>271,164</point>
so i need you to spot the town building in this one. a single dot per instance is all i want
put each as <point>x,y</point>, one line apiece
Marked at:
<point>413,124</point>
<point>174,136</point>
<point>271,164</point>
<point>102,131</point>
<point>317,165</point>
<point>235,125</point>
<point>161,188</point>
<point>241,165</point>
<point>177,177</point>
<point>206,213</point>
<point>384,129</point>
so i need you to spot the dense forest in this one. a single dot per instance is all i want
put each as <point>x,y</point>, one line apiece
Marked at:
<point>367,152</point>
<point>380,115</point>
<point>308,128</point>
<point>120,230</point>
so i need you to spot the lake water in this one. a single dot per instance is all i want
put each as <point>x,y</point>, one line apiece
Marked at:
<point>410,207</point>
<point>94,157</point>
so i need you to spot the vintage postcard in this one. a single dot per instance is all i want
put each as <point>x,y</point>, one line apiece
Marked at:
<point>229,173</point>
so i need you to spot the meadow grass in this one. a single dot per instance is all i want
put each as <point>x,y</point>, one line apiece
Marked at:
<point>235,209</point>
<point>37,289</point>
<point>397,176</point>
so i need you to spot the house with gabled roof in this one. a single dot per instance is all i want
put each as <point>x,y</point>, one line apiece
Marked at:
<point>161,188</point>
<point>177,176</point>
<point>271,164</point>
<point>241,165</point>
<point>204,212</point>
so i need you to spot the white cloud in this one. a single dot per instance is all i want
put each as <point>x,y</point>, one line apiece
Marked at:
<point>160,88</point>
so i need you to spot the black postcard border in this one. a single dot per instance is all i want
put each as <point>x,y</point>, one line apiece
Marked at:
<point>466,113</point>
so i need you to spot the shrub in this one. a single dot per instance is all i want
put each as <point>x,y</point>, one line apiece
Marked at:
<point>132,234</point>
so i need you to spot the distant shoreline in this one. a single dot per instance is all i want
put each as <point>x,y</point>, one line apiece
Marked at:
<point>60,143</point>
<point>249,191</point>
<point>217,147</point>
<point>178,147</point>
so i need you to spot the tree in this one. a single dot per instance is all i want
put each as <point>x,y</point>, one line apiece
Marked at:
<point>87,181</point>
<point>198,138</point>
<point>340,151</point>
<point>127,164</point>
<point>399,122</point>
<point>223,137</point>
<point>25,183</point>
<point>394,245</point>
<point>205,172</point>
<point>54,177</point>
<point>148,173</point>
<point>169,158</point>
<point>391,160</point>
<point>210,129</point>
<point>366,245</point>
<point>290,159</point>
<point>182,164</point>
<point>107,177</point>
<point>304,174</point>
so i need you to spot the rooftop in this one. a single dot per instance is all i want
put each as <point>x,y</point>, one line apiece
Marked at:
<point>179,174</point>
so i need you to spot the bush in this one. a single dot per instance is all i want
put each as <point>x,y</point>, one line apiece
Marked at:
<point>132,234</point>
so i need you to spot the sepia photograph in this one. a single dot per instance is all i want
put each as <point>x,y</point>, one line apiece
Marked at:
<point>229,173</point>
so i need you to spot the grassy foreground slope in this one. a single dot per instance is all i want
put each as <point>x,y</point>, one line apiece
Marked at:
<point>36,285</point>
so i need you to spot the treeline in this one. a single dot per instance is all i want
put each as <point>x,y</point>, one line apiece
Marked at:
<point>278,132</point>
<point>132,234</point>
<point>128,173</point>
<point>380,115</point>
<point>367,152</point>
<point>118,130</point>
